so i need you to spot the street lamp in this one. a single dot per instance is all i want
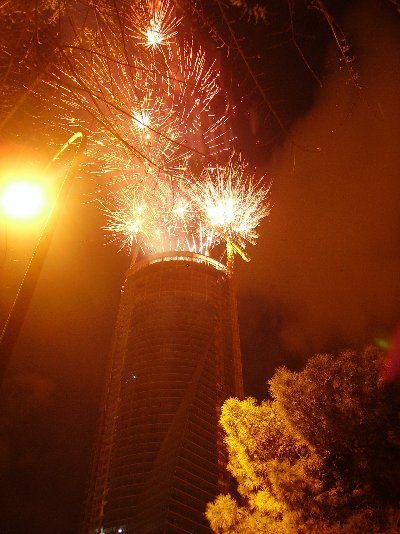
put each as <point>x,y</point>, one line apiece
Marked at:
<point>22,200</point>
<point>16,317</point>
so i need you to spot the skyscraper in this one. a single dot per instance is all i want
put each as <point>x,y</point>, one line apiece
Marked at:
<point>172,182</point>
<point>175,358</point>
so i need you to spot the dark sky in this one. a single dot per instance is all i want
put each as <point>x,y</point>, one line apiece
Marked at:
<point>324,274</point>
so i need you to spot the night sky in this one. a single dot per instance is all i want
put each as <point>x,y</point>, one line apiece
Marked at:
<point>324,275</point>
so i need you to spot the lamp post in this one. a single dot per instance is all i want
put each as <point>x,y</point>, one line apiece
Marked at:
<point>21,303</point>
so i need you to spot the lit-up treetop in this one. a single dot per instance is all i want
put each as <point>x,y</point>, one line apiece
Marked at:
<point>151,100</point>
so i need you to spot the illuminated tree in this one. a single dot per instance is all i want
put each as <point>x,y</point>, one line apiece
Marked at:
<point>321,456</point>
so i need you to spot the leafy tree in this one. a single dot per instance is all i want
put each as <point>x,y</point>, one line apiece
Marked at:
<point>322,456</point>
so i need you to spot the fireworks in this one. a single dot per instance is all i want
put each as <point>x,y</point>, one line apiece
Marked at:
<point>154,24</point>
<point>154,214</point>
<point>154,107</point>
<point>224,203</point>
<point>157,108</point>
<point>231,203</point>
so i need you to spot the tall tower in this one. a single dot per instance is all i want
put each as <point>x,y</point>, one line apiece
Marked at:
<point>172,182</point>
<point>176,357</point>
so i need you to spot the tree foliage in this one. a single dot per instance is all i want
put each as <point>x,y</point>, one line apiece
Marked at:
<point>322,456</point>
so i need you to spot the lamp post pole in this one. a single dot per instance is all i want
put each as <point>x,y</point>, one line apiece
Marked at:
<point>21,303</point>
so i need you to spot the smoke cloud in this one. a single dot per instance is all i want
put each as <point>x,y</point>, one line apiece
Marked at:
<point>328,258</point>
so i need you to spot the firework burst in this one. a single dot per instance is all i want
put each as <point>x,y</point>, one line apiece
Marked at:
<point>153,23</point>
<point>155,213</point>
<point>156,109</point>
<point>231,203</point>
<point>153,107</point>
<point>224,203</point>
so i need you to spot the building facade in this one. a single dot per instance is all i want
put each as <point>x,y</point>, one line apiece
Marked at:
<point>160,456</point>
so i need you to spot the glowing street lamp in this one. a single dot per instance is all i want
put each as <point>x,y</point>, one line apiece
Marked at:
<point>11,198</point>
<point>23,200</point>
